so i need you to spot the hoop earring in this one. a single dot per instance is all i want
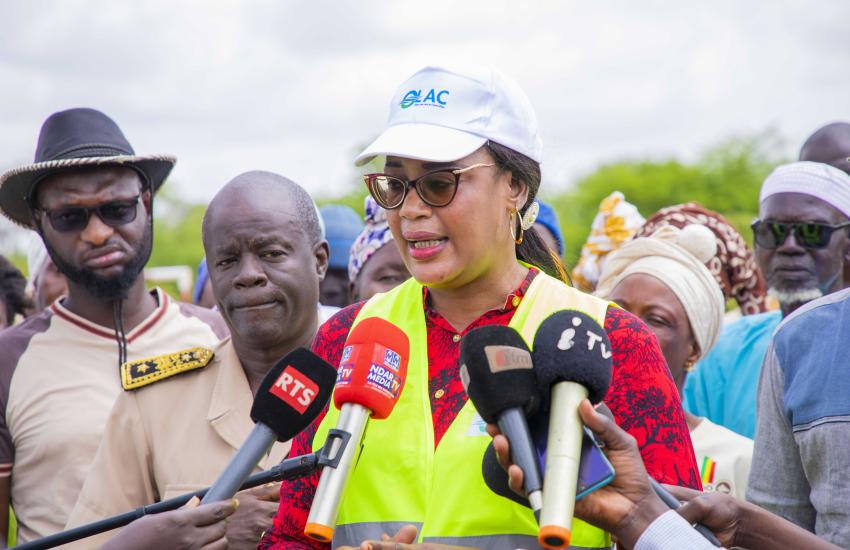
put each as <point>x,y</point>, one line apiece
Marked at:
<point>512,224</point>
<point>690,366</point>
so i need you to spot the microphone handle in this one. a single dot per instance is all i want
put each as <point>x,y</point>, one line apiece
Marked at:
<point>288,469</point>
<point>514,426</point>
<point>563,456</point>
<point>321,522</point>
<point>258,443</point>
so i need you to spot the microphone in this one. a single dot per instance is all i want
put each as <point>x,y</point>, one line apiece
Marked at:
<point>369,382</point>
<point>291,396</point>
<point>497,374</point>
<point>572,356</point>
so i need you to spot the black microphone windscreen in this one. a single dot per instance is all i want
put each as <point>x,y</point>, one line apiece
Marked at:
<point>571,346</point>
<point>496,478</point>
<point>497,371</point>
<point>293,393</point>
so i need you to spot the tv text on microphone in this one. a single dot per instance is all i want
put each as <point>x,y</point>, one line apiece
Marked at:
<point>572,361</point>
<point>369,381</point>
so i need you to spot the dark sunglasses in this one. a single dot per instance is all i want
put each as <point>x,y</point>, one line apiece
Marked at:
<point>76,218</point>
<point>812,235</point>
<point>436,188</point>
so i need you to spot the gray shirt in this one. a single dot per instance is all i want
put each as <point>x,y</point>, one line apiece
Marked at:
<point>801,460</point>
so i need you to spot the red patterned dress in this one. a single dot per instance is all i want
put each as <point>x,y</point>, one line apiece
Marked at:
<point>642,397</point>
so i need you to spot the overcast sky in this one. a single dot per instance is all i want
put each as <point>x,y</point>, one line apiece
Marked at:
<point>296,87</point>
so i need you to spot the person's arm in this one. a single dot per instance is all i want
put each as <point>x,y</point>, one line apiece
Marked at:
<point>296,496</point>
<point>777,480</point>
<point>192,527</point>
<point>645,403</point>
<point>120,478</point>
<point>628,507</point>
<point>740,523</point>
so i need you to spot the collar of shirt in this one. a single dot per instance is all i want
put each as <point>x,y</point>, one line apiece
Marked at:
<point>512,301</point>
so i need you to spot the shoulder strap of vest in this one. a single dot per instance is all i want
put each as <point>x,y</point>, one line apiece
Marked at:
<point>547,295</point>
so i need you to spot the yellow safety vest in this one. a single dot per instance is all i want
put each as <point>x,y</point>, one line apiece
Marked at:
<point>400,478</point>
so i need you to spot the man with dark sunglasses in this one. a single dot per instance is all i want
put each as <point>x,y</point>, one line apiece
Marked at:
<point>802,444</point>
<point>801,245</point>
<point>89,196</point>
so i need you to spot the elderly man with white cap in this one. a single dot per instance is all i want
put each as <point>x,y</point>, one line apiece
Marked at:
<point>801,245</point>
<point>802,444</point>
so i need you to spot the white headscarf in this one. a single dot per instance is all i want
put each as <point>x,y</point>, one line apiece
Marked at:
<point>676,258</point>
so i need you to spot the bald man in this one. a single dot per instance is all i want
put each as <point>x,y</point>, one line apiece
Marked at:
<point>829,145</point>
<point>174,434</point>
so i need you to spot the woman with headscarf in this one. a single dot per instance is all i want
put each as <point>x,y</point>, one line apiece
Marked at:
<point>616,223</point>
<point>374,267</point>
<point>734,266</point>
<point>663,279</point>
<point>459,185</point>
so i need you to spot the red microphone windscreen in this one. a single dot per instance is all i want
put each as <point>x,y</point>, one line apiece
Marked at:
<point>373,366</point>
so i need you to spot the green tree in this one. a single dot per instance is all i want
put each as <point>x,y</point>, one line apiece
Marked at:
<point>725,178</point>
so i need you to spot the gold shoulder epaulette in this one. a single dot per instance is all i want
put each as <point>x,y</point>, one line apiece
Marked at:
<point>135,374</point>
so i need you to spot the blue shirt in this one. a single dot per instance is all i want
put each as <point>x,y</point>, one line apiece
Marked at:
<point>723,386</point>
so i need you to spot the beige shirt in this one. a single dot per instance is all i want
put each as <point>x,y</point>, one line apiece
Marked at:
<point>59,378</point>
<point>168,438</point>
<point>724,458</point>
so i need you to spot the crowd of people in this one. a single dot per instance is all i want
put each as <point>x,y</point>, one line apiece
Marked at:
<point>728,383</point>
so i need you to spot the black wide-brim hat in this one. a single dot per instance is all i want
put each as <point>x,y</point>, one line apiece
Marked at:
<point>71,139</point>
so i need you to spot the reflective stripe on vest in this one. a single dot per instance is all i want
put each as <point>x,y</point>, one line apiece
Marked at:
<point>400,478</point>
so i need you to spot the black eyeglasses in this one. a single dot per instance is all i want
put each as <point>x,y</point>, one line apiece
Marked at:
<point>76,218</point>
<point>812,235</point>
<point>436,188</point>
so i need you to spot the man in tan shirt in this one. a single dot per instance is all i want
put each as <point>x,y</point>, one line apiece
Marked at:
<point>175,432</point>
<point>90,198</point>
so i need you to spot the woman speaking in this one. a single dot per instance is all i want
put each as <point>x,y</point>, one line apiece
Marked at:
<point>459,185</point>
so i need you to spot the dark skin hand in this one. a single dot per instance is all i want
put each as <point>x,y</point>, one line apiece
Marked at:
<point>403,540</point>
<point>257,509</point>
<point>740,523</point>
<point>192,527</point>
<point>627,505</point>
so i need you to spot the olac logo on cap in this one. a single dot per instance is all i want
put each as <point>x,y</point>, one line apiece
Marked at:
<point>433,98</point>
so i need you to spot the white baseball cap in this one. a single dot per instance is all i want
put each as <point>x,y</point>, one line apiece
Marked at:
<point>441,114</point>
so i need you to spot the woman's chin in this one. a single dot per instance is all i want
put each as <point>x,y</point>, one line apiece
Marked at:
<point>431,274</point>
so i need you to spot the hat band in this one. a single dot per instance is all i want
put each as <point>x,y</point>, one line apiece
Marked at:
<point>90,150</point>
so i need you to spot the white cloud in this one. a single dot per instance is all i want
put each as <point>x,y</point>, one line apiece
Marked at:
<point>296,87</point>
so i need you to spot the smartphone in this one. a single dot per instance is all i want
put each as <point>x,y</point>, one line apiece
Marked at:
<point>594,471</point>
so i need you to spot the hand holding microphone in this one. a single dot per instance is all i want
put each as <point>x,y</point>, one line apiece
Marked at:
<point>369,382</point>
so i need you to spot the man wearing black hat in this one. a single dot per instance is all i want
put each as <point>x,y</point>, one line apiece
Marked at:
<point>90,198</point>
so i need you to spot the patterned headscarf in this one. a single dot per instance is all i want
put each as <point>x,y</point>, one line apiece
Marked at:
<point>616,223</point>
<point>734,266</point>
<point>376,233</point>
